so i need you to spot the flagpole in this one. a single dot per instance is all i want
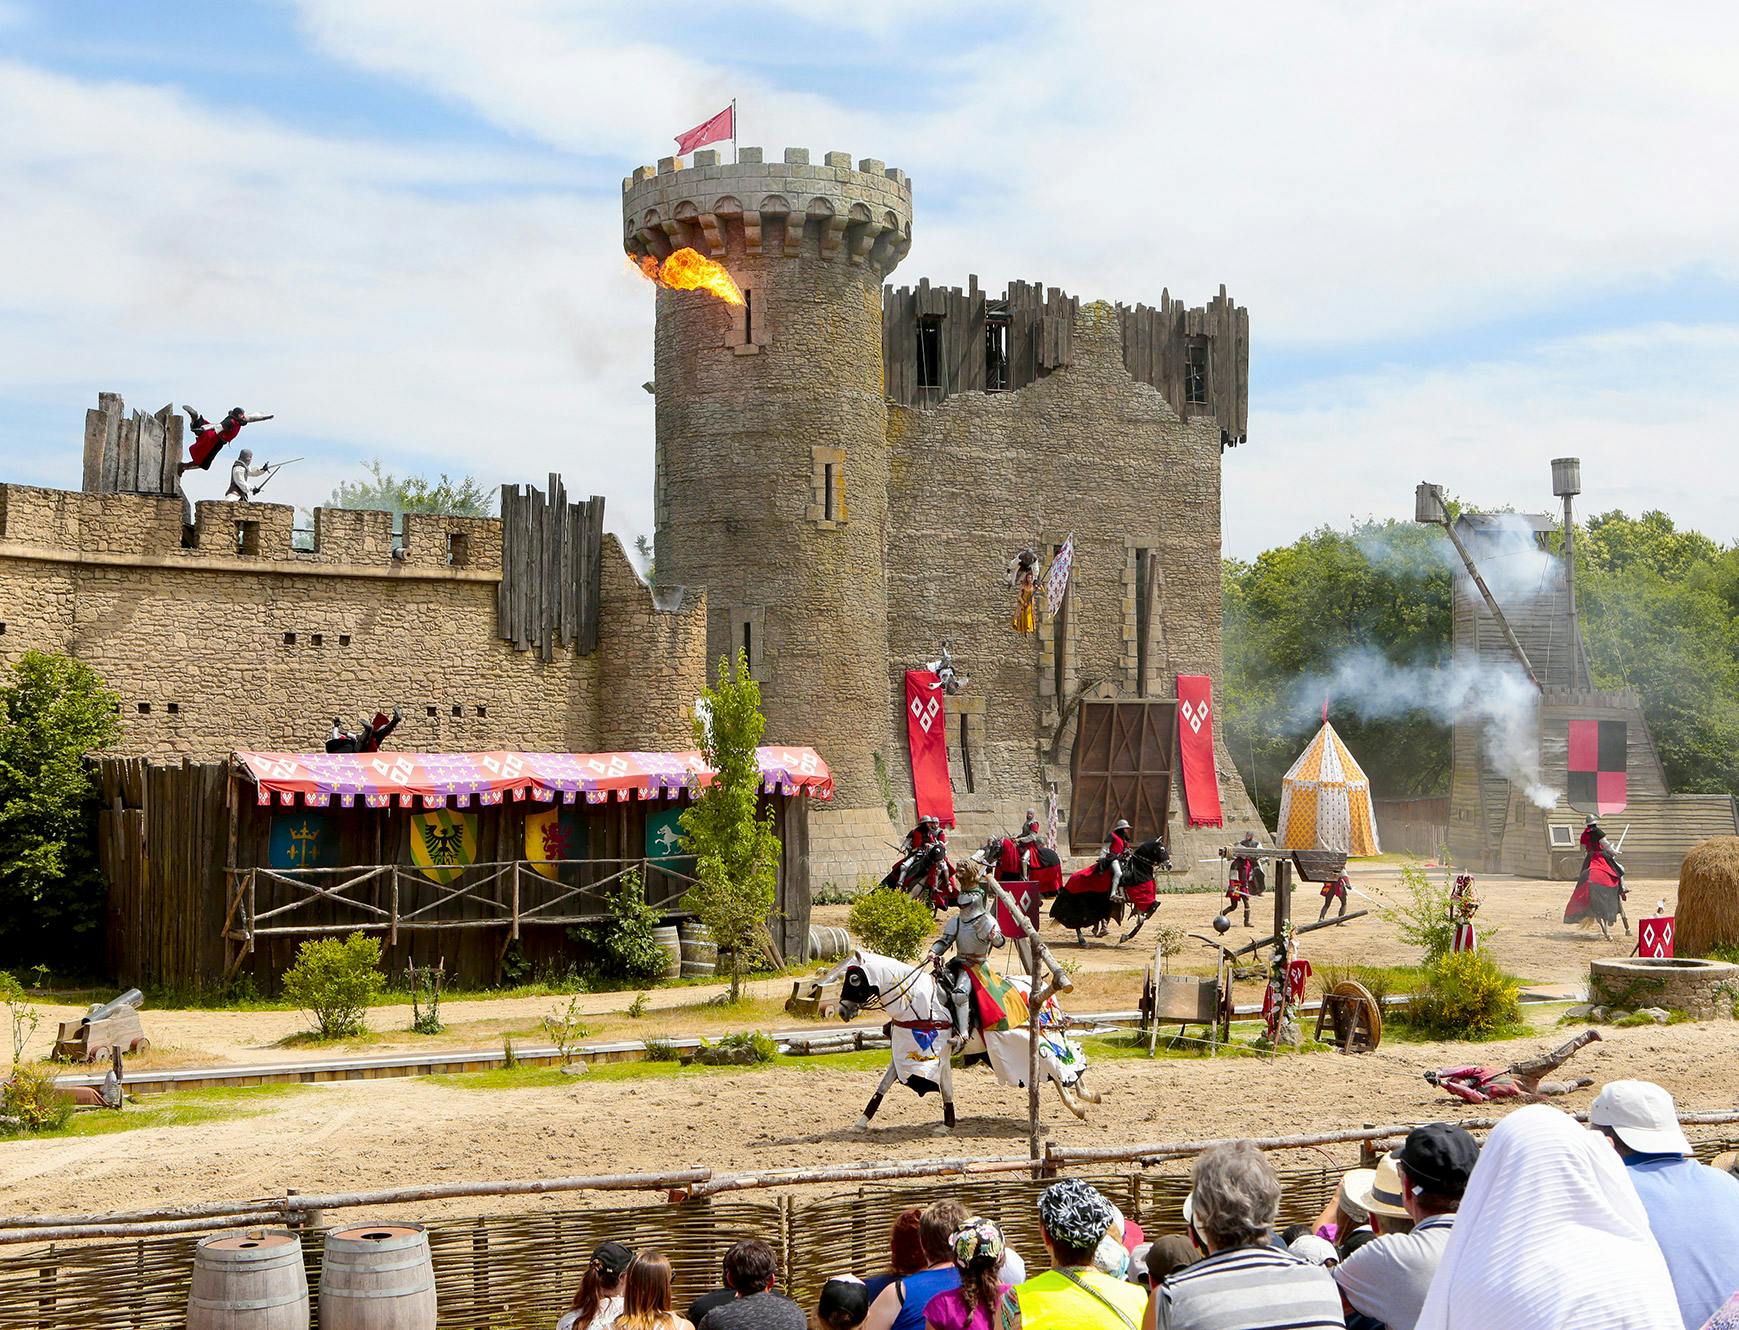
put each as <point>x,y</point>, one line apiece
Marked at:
<point>733,131</point>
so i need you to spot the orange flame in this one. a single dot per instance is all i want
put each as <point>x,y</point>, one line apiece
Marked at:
<point>690,270</point>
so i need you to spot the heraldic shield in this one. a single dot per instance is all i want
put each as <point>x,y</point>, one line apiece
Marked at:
<point>443,843</point>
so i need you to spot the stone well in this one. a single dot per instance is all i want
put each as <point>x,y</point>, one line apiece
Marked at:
<point>1699,988</point>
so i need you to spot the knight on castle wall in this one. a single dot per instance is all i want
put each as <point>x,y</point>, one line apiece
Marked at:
<point>241,473</point>
<point>209,439</point>
<point>1023,575</point>
<point>948,679</point>
<point>368,735</point>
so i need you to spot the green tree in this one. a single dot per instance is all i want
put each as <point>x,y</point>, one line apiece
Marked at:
<point>380,489</point>
<point>53,711</point>
<point>736,852</point>
<point>643,547</point>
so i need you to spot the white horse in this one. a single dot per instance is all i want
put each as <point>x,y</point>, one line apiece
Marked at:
<point>920,1024</point>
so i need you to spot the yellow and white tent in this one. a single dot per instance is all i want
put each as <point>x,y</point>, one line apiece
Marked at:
<point>1325,800</point>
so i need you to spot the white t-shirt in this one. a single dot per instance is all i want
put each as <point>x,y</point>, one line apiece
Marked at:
<point>605,1317</point>
<point>1388,1277</point>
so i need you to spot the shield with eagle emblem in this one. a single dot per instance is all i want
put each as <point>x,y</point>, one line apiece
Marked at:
<point>443,843</point>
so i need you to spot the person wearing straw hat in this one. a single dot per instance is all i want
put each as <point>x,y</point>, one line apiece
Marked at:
<point>1422,1183</point>
<point>1692,1211</point>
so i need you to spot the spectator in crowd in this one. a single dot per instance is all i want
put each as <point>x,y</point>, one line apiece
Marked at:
<point>1292,1232</point>
<point>905,1252</point>
<point>1692,1211</point>
<point>843,1305</point>
<point>1138,1273</point>
<point>1344,1221</point>
<point>1386,1280</point>
<point>598,1300</point>
<point>900,1306</point>
<point>972,1305</point>
<point>1727,1162</point>
<point>646,1296</point>
<point>1072,1294</point>
<point>1318,1251</point>
<point>751,1270</point>
<point>1170,1253</point>
<point>1549,1236</point>
<point>1243,1281</point>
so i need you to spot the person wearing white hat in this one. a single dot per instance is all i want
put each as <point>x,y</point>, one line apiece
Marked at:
<point>1693,1211</point>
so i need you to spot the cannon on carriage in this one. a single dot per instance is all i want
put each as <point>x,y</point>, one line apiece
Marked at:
<point>108,1027</point>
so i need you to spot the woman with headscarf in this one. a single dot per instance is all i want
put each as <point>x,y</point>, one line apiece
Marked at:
<point>1550,1236</point>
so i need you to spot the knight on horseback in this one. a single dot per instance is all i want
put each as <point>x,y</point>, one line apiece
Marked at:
<point>923,869</point>
<point>972,934</point>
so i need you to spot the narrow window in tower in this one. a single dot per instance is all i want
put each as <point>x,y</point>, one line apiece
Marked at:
<point>748,317</point>
<point>965,752</point>
<point>1195,375</point>
<point>1143,616</point>
<point>827,491</point>
<point>930,351</point>
<point>749,644</point>
<point>996,355</point>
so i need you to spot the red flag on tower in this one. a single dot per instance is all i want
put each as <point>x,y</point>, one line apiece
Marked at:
<point>721,126</point>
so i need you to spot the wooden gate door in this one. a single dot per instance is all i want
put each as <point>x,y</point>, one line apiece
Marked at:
<point>1121,768</point>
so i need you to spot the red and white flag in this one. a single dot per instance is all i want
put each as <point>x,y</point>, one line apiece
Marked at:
<point>1057,575</point>
<point>721,126</point>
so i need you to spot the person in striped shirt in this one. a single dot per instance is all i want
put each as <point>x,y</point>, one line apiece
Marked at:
<point>1244,1282</point>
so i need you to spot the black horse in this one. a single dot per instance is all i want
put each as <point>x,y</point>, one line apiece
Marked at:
<point>1134,894</point>
<point>925,874</point>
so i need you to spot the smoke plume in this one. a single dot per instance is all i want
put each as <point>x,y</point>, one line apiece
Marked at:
<point>1506,548</point>
<point>1498,697</point>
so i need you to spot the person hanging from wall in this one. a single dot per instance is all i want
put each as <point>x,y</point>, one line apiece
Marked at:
<point>1023,575</point>
<point>241,473</point>
<point>1463,905</point>
<point>368,735</point>
<point>1247,878</point>
<point>972,933</point>
<point>1092,897</point>
<point>1599,893</point>
<point>1331,892</point>
<point>948,679</point>
<point>209,439</point>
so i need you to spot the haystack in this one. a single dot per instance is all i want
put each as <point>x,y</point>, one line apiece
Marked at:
<point>1707,915</point>
<point>1325,800</point>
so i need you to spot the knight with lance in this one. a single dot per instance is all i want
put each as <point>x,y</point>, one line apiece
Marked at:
<point>972,933</point>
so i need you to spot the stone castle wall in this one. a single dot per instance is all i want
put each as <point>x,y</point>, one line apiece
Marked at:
<point>242,642</point>
<point>1085,450</point>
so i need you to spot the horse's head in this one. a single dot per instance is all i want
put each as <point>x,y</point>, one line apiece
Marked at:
<point>864,977</point>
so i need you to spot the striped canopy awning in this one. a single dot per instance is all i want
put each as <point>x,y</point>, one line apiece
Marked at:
<point>1325,800</point>
<point>432,780</point>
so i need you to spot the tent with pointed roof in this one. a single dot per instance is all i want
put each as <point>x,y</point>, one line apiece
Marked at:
<point>1325,800</point>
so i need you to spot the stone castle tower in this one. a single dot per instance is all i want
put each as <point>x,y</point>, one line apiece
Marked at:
<point>846,470</point>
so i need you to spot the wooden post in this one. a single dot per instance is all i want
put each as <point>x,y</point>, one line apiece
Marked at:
<point>392,925</point>
<point>1034,1001</point>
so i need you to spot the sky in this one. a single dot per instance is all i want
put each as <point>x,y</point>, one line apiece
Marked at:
<point>1472,237</point>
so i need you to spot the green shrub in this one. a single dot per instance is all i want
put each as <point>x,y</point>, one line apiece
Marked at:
<point>891,923</point>
<point>1424,921</point>
<point>623,945</point>
<point>334,982</point>
<point>29,1102</point>
<point>1466,996</point>
<point>661,1050</point>
<point>745,1048</point>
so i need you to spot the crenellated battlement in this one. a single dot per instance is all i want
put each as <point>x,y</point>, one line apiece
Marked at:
<point>37,522</point>
<point>861,215</point>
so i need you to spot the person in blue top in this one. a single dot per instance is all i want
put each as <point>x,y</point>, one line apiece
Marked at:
<point>900,1306</point>
<point>1693,1210</point>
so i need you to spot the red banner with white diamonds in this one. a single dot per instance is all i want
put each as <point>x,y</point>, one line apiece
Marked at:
<point>927,740</point>
<point>1195,747</point>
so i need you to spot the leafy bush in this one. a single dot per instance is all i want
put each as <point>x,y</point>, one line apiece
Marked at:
<point>1424,921</point>
<point>623,946</point>
<point>21,1014</point>
<point>1466,996</point>
<point>891,922</point>
<point>745,1048</point>
<point>334,982</point>
<point>29,1102</point>
<point>661,1050</point>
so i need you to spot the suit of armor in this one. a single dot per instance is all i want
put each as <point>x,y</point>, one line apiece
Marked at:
<point>972,934</point>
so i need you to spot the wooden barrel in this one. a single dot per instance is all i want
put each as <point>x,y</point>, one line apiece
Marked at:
<point>377,1277</point>
<point>699,955</point>
<point>826,943</point>
<point>668,939</point>
<point>248,1281</point>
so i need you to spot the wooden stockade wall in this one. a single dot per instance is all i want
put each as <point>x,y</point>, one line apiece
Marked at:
<point>1155,351</point>
<point>550,569</point>
<point>177,914</point>
<point>137,455</point>
<point>1041,333</point>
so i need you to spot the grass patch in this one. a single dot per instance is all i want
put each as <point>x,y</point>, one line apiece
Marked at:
<point>1133,1044</point>
<point>523,1077</point>
<point>313,1039</point>
<point>183,1108</point>
<point>1397,1030</point>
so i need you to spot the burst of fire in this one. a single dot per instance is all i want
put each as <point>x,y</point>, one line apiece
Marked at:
<point>689,270</point>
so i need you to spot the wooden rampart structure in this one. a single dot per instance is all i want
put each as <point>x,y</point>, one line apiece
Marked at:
<point>195,899</point>
<point>550,569</point>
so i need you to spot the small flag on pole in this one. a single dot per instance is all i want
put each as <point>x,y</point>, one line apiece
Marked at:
<point>721,126</point>
<point>1057,575</point>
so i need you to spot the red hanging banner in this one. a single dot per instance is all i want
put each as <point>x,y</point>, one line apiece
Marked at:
<point>927,740</point>
<point>1195,746</point>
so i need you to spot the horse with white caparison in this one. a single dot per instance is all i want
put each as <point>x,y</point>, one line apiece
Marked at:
<point>920,1024</point>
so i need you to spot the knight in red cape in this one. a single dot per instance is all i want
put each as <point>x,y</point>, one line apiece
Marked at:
<point>923,865</point>
<point>1092,896</point>
<point>1599,893</point>
<point>368,735</point>
<point>1247,878</point>
<point>209,439</point>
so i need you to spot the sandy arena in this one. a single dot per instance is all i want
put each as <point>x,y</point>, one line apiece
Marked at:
<point>401,1131</point>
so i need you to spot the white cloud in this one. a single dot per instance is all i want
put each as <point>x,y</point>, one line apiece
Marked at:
<point>1650,412</point>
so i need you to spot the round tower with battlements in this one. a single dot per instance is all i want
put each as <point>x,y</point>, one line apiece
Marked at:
<point>772,448</point>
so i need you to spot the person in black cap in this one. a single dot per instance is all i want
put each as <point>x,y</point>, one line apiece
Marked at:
<point>844,1303</point>
<point>598,1301</point>
<point>1385,1281</point>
